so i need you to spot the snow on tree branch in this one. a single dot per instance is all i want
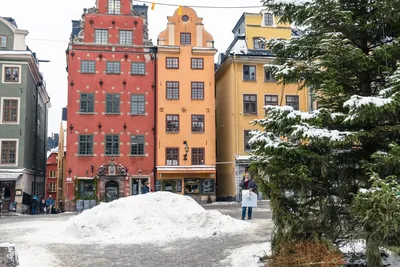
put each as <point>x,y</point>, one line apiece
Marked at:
<point>312,132</point>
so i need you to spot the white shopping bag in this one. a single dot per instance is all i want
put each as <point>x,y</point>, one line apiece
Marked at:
<point>249,199</point>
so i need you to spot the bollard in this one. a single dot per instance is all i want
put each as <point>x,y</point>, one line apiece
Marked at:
<point>8,255</point>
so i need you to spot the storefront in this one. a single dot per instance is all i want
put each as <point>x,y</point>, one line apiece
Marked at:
<point>197,182</point>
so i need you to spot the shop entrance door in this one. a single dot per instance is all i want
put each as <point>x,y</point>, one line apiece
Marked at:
<point>137,185</point>
<point>112,191</point>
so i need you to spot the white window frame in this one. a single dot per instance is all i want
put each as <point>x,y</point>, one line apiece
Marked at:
<point>1,110</point>
<point>52,190</point>
<point>3,78</point>
<point>52,177</point>
<point>263,19</point>
<point>5,37</point>
<point>16,151</point>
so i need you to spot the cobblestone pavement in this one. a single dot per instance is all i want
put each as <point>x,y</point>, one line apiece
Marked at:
<point>192,253</point>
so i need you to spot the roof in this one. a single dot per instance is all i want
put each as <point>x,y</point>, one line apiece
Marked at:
<point>11,20</point>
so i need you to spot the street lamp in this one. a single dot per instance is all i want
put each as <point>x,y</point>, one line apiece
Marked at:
<point>186,150</point>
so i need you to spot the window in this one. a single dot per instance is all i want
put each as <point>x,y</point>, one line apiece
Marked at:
<point>85,144</point>
<point>112,103</point>
<point>249,73</point>
<point>10,111</point>
<point>52,174</point>
<point>197,63</point>
<point>172,123</point>
<point>185,38</point>
<point>87,103</point>
<point>192,186</point>
<point>172,90</point>
<point>247,137</point>
<point>113,67</point>
<point>198,123</point>
<point>3,41</point>
<point>271,100</point>
<point>11,74</point>
<point>138,68</point>
<point>8,152</point>
<point>112,144</point>
<point>172,62</point>
<point>293,101</point>
<point>88,66</point>
<point>137,145</point>
<point>197,156</point>
<point>268,19</point>
<point>198,90</point>
<point>250,104</point>
<point>258,44</point>
<point>137,105</point>
<point>125,37</point>
<point>101,36</point>
<point>52,187</point>
<point>268,77</point>
<point>172,156</point>
<point>114,7</point>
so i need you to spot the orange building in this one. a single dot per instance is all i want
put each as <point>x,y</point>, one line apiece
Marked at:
<point>186,107</point>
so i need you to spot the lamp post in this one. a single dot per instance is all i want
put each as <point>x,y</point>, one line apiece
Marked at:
<point>186,150</point>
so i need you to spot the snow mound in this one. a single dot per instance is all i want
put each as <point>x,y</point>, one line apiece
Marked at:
<point>154,217</point>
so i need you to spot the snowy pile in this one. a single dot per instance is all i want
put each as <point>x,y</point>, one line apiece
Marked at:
<point>156,217</point>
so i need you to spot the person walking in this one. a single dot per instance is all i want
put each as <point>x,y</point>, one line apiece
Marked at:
<point>248,184</point>
<point>34,204</point>
<point>49,204</point>
<point>145,188</point>
<point>42,206</point>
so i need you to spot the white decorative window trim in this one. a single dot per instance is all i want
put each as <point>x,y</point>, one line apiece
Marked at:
<point>1,110</point>
<point>16,150</point>
<point>3,80</point>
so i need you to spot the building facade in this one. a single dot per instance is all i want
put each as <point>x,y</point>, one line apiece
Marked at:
<point>186,107</point>
<point>111,89</point>
<point>24,105</point>
<point>51,174</point>
<point>243,88</point>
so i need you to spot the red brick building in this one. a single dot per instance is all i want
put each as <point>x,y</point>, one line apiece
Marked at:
<point>111,96</point>
<point>51,175</point>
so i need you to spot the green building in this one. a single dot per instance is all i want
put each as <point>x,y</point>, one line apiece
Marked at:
<point>24,105</point>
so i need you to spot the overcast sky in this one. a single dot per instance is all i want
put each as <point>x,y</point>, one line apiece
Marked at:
<point>51,20</point>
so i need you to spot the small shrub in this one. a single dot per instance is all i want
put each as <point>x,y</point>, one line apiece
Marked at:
<point>306,253</point>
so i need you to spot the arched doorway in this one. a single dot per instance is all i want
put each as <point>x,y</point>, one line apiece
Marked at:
<point>112,191</point>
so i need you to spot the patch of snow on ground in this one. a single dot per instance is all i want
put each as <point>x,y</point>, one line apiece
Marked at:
<point>151,218</point>
<point>248,256</point>
<point>35,256</point>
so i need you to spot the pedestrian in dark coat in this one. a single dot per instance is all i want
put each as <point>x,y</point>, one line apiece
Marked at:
<point>145,188</point>
<point>34,204</point>
<point>248,184</point>
<point>42,206</point>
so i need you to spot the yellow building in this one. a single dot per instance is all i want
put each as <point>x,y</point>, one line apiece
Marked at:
<point>243,88</point>
<point>186,107</point>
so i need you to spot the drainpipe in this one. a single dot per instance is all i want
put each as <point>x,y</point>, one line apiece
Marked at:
<point>155,117</point>
<point>35,165</point>
<point>45,149</point>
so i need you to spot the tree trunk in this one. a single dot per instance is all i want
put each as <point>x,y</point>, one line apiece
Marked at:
<point>373,253</point>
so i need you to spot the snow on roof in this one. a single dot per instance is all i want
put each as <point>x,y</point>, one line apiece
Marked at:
<point>240,47</point>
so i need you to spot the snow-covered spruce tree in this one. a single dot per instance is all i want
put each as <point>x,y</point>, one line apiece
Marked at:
<point>316,162</point>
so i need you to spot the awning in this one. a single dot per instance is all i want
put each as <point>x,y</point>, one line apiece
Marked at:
<point>9,176</point>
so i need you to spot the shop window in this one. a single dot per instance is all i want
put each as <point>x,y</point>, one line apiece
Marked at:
<point>86,189</point>
<point>207,186</point>
<point>192,186</point>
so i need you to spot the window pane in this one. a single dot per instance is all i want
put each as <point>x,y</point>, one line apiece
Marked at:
<point>112,103</point>
<point>87,103</point>
<point>3,41</point>
<point>250,104</point>
<point>113,67</point>
<point>293,101</point>
<point>138,68</point>
<point>11,74</point>
<point>137,144</point>
<point>172,90</point>
<point>197,90</point>
<point>137,105</point>
<point>197,156</point>
<point>86,144</point>
<point>112,144</point>
<point>114,7</point>
<point>172,157</point>
<point>10,110</point>
<point>101,36</point>
<point>8,152</point>
<point>125,37</point>
<point>249,73</point>
<point>268,19</point>
<point>172,63</point>
<point>172,124</point>
<point>197,63</point>
<point>198,123</point>
<point>88,66</point>
<point>185,38</point>
<point>247,138</point>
